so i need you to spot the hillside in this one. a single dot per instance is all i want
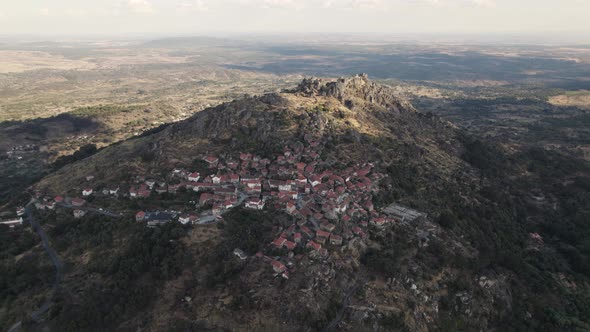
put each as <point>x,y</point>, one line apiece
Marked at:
<point>484,251</point>
<point>348,116</point>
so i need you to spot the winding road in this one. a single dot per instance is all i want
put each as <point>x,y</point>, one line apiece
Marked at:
<point>211,218</point>
<point>57,263</point>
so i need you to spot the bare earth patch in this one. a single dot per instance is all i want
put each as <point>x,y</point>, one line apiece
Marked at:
<point>21,61</point>
<point>578,99</point>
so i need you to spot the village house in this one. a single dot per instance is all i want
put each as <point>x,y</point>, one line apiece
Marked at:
<point>279,242</point>
<point>157,218</point>
<point>306,231</point>
<point>200,186</point>
<point>313,245</point>
<point>290,245</point>
<point>322,234</point>
<point>232,165</point>
<point>173,188</point>
<point>274,184</point>
<point>12,222</point>
<point>300,167</point>
<point>143,193</point>
<point>278,267</point>
<point>251,183</point>
<point>194,177</point>
<point>20,211</point>
<point>291,208</point>
<point>162,189</point>
<point>206,198</point>
<point>87,192</point>
<point>315,180</point>
<point>379,222</point>
<point>212,161</point>
<point>347,234</point>
<point>288,194</point>
<point>257,204</point>
<point>216,208</point>
<point>300,181</point>
<point>536,237</point>
<point>79,213</point>
<point>285,186</point>
<point>240,254</point>
<point>77,202</point>
<point>336,239</point>
<point>184,219</point>
<point>245,156</point>
<point>150,183</point>
<point>139,216</point>
<point>368,205</point>
<point>216,179</point>
<point>234,178</point>
<point>328,227</point>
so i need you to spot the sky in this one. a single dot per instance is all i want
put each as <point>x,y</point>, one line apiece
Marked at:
<point>182,17</point>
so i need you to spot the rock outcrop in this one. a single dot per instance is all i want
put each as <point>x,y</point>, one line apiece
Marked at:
<point>353,90</point>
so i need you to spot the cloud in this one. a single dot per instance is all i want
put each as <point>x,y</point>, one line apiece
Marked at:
<point>277,4</point>
<point>484,3</point>
<point>360,4</point>
<point>477,3</point>
<point>140,6</point>
<point>354,4</point>
<point>191,7</point>
<point>75,12</point>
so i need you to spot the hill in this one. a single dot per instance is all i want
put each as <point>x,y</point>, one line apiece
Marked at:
<point>429,228</point>
<point>347,115</point>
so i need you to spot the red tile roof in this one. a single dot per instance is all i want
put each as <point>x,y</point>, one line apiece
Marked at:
<point>314,245</point>
<point>278,266</point>
<point>321,233</point>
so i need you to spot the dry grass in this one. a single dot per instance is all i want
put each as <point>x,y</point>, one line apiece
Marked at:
<point>579,99</point>
<point>21,61</point>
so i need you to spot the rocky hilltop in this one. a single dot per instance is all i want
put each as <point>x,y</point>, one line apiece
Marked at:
<point>350,114</point>
<point>355,89</point>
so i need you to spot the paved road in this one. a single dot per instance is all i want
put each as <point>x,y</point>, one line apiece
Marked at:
<point>37,314</point>
<point>211,218</point>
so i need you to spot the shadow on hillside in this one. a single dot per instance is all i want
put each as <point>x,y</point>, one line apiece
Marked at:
<point>38,131</point>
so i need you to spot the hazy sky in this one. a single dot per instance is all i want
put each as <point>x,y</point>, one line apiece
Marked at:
<point>110,17</point>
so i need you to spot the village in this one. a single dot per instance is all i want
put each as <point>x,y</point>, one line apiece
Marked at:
<point>329,207</point>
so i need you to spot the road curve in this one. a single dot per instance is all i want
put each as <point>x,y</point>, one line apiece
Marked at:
<point>57,263</point>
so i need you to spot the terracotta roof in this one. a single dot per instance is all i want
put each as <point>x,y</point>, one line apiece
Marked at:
<point>314,245</point>
<point>321,233</point>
